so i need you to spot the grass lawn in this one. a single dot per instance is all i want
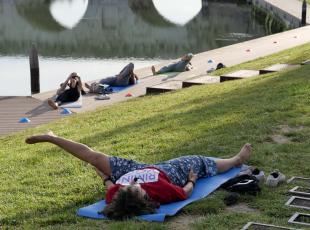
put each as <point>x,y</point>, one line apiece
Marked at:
<point>42,186</point>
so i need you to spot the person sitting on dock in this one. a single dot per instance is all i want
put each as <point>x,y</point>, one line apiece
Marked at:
<point>124,78</point>
<point>67,95</point>
<point>135,188</point>
<point>180,66</point>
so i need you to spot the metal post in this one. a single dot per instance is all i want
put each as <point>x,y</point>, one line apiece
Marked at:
<point>34,70</point>
<point>304,13</point>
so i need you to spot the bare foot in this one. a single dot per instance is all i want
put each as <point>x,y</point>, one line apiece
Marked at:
<point>244,154</point>
<point>39,138</point>
<point>52,104</point>
<point>153,70</point>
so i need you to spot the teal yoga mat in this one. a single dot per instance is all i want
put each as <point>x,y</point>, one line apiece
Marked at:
<point>202,189</point>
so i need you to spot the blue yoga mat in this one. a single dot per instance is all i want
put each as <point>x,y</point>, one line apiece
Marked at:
<point>202,189</point>
<point>117,89</point>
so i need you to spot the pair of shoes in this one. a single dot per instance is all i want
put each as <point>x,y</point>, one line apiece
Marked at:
<point>102,97</point>
<point>275,178</point>
<point>253,171</point>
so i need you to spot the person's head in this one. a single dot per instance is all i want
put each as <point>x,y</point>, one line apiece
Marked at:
<point>75,80</point>
<point>128,202</point>
<point>188,57</point>
<point>133,79</point>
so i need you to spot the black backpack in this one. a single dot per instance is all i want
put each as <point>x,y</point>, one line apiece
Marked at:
<point>243,184</point>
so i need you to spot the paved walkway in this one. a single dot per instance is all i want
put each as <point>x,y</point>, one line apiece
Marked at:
<point>230,55</point>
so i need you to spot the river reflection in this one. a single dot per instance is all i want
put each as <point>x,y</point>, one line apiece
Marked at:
<point>122,29</point>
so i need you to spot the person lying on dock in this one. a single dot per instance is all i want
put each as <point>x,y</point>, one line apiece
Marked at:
<point>135,188</point>
<point>180,66</point>
<point>124,78</point>
<point>69,91</point>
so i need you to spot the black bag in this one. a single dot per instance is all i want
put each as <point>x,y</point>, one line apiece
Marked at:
<point>243,184</point>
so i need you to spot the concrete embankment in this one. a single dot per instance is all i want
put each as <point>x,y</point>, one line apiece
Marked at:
<point>289,11</point>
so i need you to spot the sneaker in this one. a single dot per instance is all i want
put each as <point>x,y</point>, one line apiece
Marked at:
<point>102,97</point>
<point>252,171</point>
<point>275,178</point>
<point>259,174</point>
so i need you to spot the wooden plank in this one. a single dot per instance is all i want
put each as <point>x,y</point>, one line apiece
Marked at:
<point>14,108</point>
<point>201,80</point>
<point>241,74</point>
<point>164,87</point>
<point>277,68</point>
<point>300,218</point>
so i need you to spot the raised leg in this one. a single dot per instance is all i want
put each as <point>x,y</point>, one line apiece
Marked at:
<point>225,164</point>
<point>52,104</point>
<point>153,70</point>
<point>81,151</point>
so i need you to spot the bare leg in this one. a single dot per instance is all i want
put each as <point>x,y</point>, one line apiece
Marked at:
<point>81,151</point>
<point>153,70</point>
<point>87,86</point>
<point>52,104</point>
<point>225,164</point>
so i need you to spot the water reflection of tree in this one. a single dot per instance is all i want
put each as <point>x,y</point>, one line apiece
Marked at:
<point>145,9</point>
<point>37,13</point>
<point>115,31</point>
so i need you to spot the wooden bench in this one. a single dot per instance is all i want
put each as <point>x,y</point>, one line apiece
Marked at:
<point>201,80</point>
<point>164,87</point>
<point>241,74</point>
<point>277,68</point>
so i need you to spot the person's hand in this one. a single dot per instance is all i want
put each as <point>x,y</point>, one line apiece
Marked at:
<point>192,176</point>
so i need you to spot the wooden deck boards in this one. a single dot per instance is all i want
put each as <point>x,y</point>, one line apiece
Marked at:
<point>201,80</point>
<point>14,108</point>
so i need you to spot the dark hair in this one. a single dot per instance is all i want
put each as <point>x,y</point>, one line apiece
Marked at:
<point>129,203</point>
<point>132,79</point>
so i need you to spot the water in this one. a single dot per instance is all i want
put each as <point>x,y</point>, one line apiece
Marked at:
<point>96,38</point>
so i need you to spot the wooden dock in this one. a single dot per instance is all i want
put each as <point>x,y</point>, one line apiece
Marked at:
<point>15,108</point>
<point>37,110</point>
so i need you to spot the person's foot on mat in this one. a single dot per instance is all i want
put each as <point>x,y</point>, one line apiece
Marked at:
<point>244,154</point>
<point>153,70</point>
<point>52,104</point>
<point>39,138</point>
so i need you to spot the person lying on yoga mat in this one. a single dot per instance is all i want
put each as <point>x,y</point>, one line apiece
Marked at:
<point>135,188</point>
<point>69,91</point>
<point>124,78</point>
<point>180,66</point>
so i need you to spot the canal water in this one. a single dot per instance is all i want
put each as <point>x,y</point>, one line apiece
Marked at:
<point>96,38</point>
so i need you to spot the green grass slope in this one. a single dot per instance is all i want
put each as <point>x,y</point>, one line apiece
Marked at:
<point>42,186</point>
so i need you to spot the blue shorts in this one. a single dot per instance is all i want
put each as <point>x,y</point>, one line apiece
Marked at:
<point>176,169</point>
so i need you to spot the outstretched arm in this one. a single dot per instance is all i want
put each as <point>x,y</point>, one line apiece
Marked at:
<point>81,151</point>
